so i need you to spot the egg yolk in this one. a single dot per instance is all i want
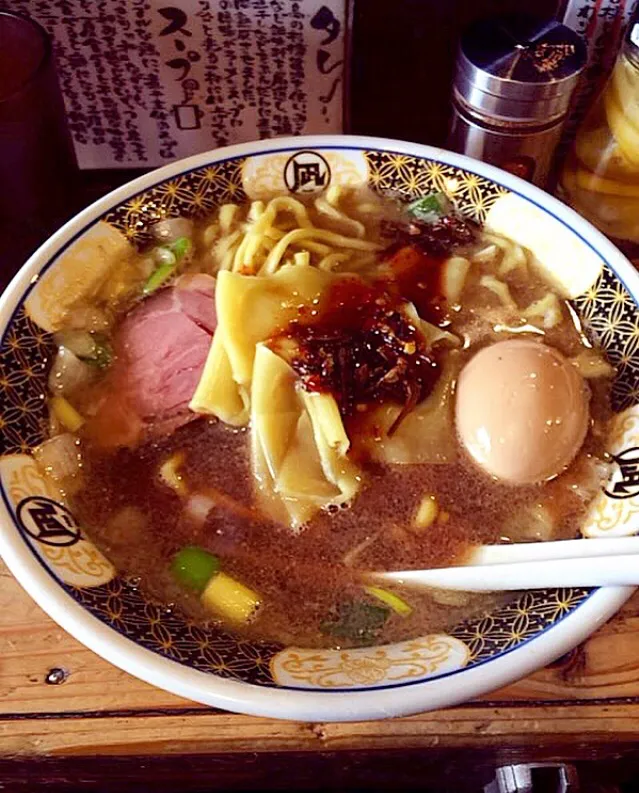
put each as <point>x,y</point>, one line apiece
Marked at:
<point>521,411</point>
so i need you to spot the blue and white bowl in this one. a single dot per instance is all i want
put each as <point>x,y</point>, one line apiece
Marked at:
<point>77,586</point>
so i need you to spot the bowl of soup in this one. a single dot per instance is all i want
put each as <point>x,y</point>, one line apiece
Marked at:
<point>238,387</point>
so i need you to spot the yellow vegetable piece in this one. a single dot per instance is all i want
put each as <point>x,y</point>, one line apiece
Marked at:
<point>599,152</point>
<point>615,215</point>
<point>598,184</point>
<point>227,215</point>
<point>66,414</point>
<point>626,134</point>
<point>624,87</point>
<point>390,599</point>
<point>230,599</point>
<point>426,513</point>
<point>170,474</point>
<point>591,364</point>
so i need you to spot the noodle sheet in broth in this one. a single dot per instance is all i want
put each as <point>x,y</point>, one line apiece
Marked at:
<point>250,309</point>
<point>298,445</point>
<point>217,392</point>
<point>426,434</point>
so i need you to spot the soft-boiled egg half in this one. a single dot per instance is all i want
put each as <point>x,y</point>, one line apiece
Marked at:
<point>521,411</point>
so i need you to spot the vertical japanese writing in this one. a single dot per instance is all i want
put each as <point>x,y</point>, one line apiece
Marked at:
<point>297,73</point>
<point>246,58</point>
<point>187,113</point>
<point>157,104</point>
<point>264,68</point>
<point>325,20</point>
<point>146,81</point>
<point>214,92</point>
<point>228,31</point>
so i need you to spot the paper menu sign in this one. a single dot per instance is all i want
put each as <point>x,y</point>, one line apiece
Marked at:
<point>148,81</point>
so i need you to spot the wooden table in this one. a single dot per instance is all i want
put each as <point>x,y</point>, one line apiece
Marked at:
<point>101,723</point>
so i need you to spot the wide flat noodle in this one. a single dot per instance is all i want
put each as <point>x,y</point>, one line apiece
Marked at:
<point>298,455</point>
<point>250,309</point>
<point>426,434</point>
<point>217,392</point>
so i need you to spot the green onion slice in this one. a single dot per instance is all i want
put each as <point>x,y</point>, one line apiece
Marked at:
<point>168,257</point>
<point>193,567</point>
<point>388,598</point>
<point>180,247</point>
<point>158,277</point>
<point>430,208</point>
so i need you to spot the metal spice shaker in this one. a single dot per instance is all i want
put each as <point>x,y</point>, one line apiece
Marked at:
<point>514,79</point>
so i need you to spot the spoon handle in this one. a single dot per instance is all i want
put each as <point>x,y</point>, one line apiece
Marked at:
<point>553,549</point>
<point>576,572</point>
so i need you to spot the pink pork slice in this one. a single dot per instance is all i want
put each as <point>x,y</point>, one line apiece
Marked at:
<point>163,345</point>
<point>161,348</point>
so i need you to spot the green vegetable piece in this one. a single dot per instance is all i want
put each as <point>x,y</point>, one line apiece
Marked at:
<point>158,277</point>
<point>168,258</point>
<point>390,599</point>
<point>430,208</point>
<point>357,621</point>
<point>164,255</point>
<point>180,247</point>
<point>194,567</point>
<point>102,355</point>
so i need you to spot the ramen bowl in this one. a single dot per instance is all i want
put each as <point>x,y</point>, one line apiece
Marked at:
<point>55,561</point>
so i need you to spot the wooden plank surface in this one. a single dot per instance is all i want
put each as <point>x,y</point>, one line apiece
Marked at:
<point>590,698</point>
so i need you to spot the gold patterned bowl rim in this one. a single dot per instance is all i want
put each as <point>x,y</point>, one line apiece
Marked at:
<point>282,701</point>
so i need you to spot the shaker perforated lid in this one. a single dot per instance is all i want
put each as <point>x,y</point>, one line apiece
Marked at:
<point>519,68</point>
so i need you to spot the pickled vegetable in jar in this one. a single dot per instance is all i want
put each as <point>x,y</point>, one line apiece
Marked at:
<point>600,178</point>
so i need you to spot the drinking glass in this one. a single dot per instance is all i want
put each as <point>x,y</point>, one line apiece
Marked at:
<point>37,165</point>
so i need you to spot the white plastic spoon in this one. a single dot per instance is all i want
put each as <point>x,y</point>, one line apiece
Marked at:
<point>564,563</point>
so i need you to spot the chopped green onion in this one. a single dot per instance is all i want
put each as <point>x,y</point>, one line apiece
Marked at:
<point>158,277</point>
<point>164,255</point>
<point>390,599</point>
<point>92,348</point>
<point>357,621</point>
<point>194,567</point>
<point>430,208</point>
<point>180,247</point>
<point>167,257</point>
<point>101,356</point>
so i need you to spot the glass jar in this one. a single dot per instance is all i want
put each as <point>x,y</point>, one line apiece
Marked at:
<point>600,178</point>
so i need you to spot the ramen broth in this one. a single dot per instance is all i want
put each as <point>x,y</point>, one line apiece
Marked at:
<point>305,576</point>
